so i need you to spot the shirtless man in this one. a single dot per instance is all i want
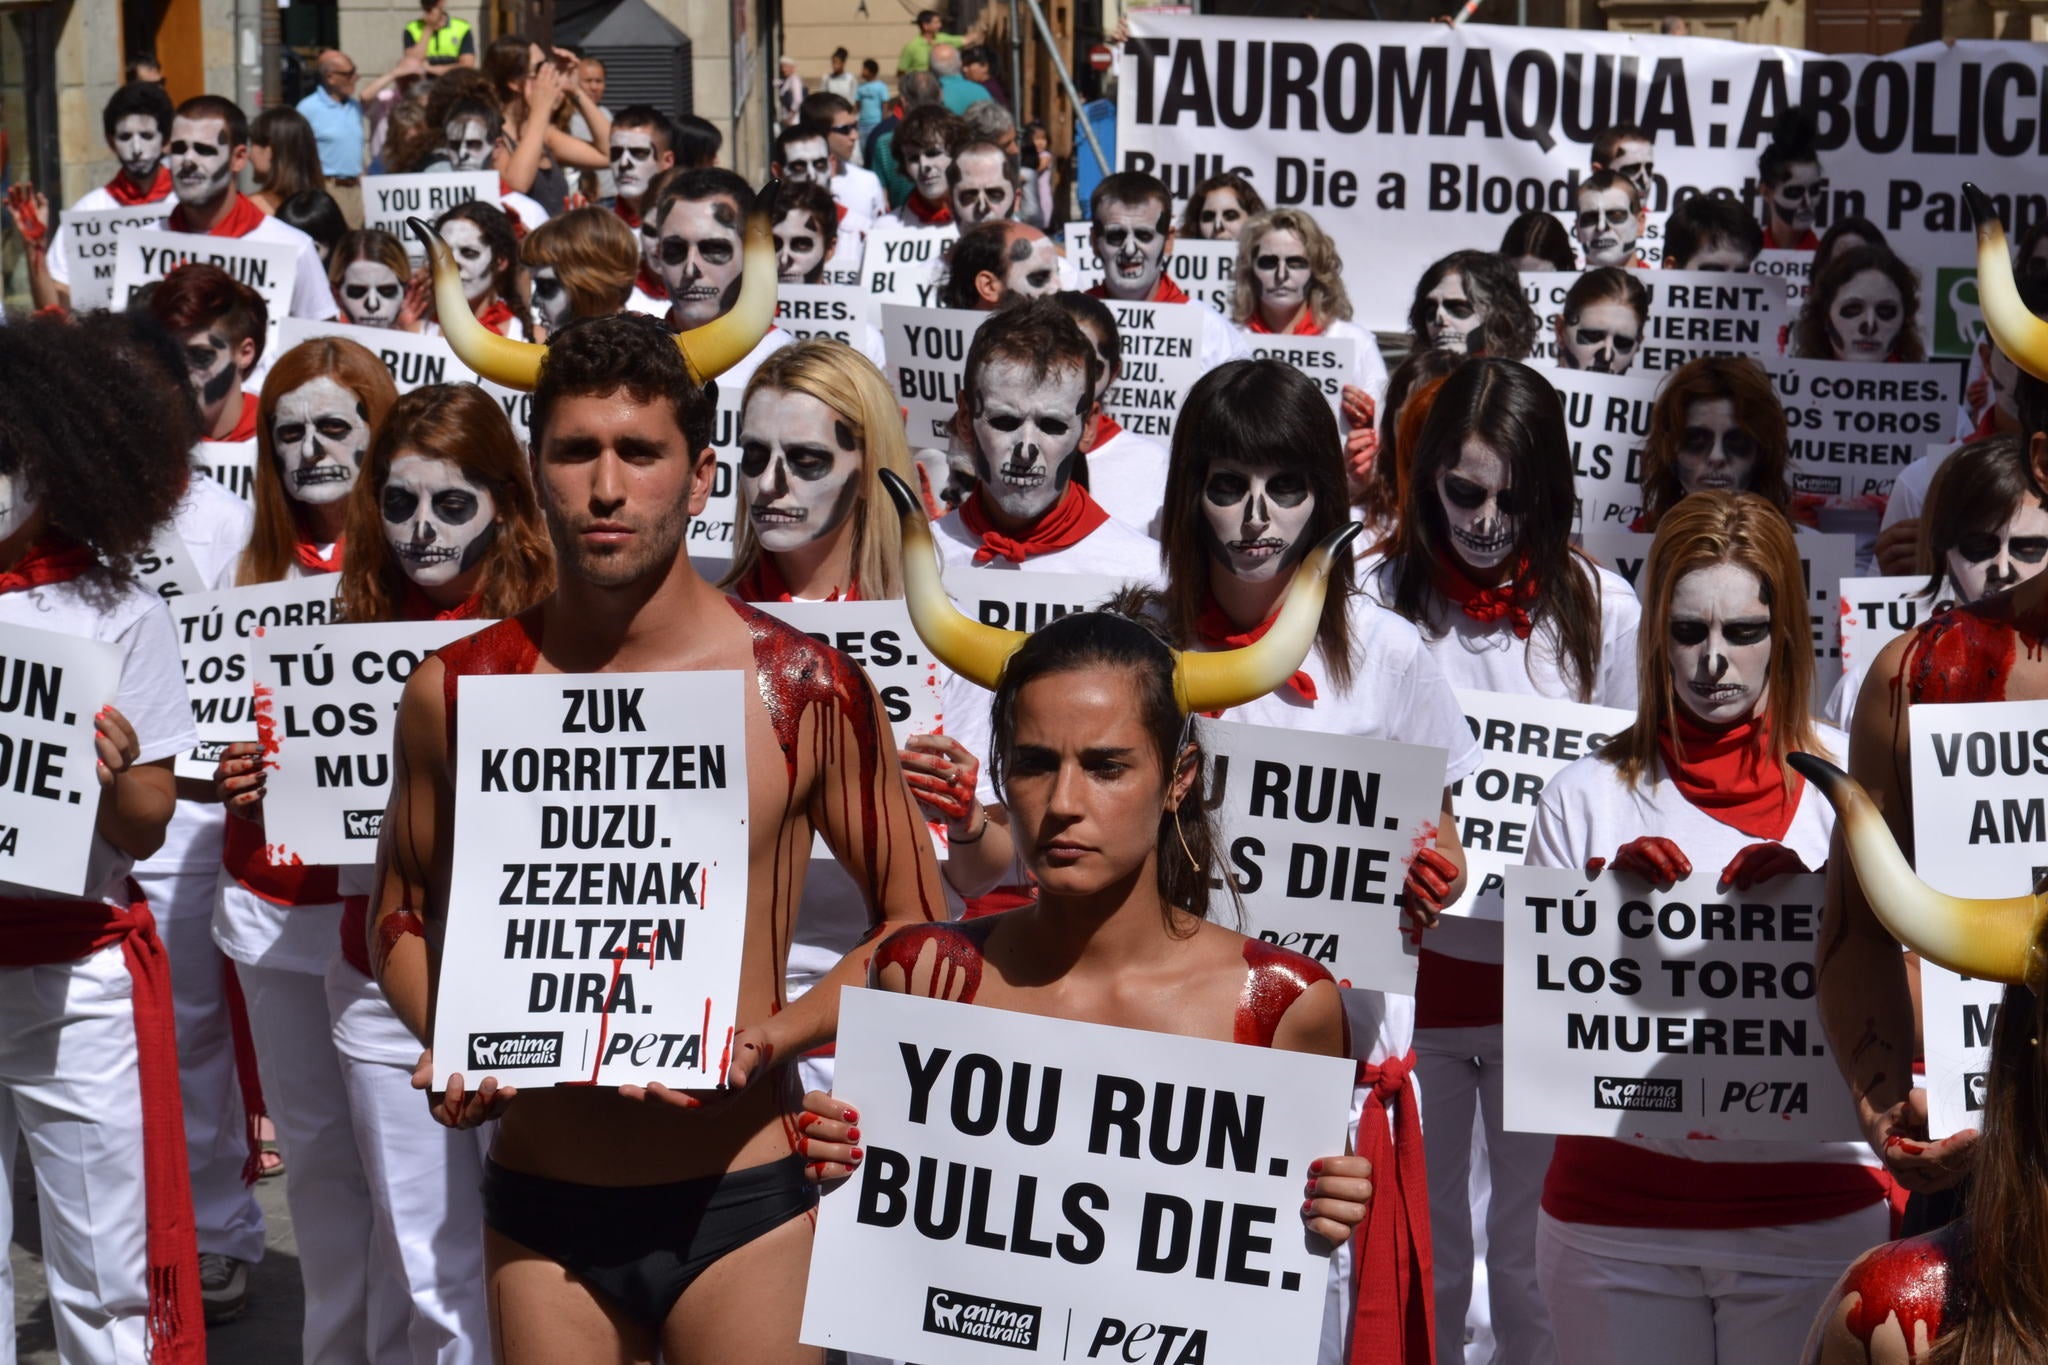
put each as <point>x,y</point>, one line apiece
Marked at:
<point>624,1224</point>
<point>1990,650</point>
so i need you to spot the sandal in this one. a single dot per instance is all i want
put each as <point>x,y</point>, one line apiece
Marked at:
<point>269,1162</point>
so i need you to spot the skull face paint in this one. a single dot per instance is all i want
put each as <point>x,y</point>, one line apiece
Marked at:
<point>1034,268</point>
<point>807,162</point>
<point>799,468</point>
<point>700,259</point>
<point>1132,245</point>
<point>469,144</point>
<point>202,164</point>
<point>1026,430</point>
<point>319,431</point>
<point>1985,562</point>
<point>982,192</point>
<point>1256,518</point>
<point>210,368</point>
<point>1480,509</point>
<point>1713,452</point>
<point>927,170</point>
<point>1453,316</point>
<point>1607,227</point>
<point>551,299</point>
<point>633,158</point>
<point>1719,643</point>
<point>17,505</point>
<point>1280,273</point>
<point>1222,216</point>
<point>1719,254</point>
<point>1794,201</point>
<point>1603,340</point>
<point>1865,317</point>
<point>437,522</point>
<point>139,146</point>
<point>1635,162</point>
<point>473,260</point>
<point>370,294</point>
<point>799,247</point>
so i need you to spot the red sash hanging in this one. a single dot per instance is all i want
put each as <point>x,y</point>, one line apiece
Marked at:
<point>1393,1289</point>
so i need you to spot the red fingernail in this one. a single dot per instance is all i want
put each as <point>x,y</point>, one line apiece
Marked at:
<point>856,1154</point>
<point>806,1119</point>
<point>1315,1168</point>
<point>1307,1204</point>
<point>853,1135</point>
<point>852,1115</point>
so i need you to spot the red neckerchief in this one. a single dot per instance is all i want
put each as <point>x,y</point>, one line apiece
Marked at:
<point>913,207</point>
<point>498,316</point>
<point>243,218</point>
<point>245,426</point>
<point>312,561</point>
<point>1304,325</point>
<point>1067,523</point>
<point>1987,425</point>
<point>1166,291</point>
<point>54,558</point>
<point>1107,429</point>
<point>123,191</point>
<point>764,583</point>
<point>1512,598</point>
<point>629,216</point>
<point>417,606</point>
<point>839,213</point>
<point>1731,776</point>
<point>1217,632</point>
<point>1807,242</point>
<point>650,283</point>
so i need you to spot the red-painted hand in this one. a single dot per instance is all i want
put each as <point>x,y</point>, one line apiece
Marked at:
<point>1427,888</point>
<point>1759,863</point>
<point>1653,857</point>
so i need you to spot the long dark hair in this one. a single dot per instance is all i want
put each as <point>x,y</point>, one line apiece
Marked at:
<point>1978,488</point>
<point>1513,411</point>
<point>1509,326</point>
<point>1810,330</point>
<point>1266,414</point>
<point>1759,414</point>
<point>1186,843</point>
<point>294,156</point>
<point>503,240</point>
<point>1386,486</point>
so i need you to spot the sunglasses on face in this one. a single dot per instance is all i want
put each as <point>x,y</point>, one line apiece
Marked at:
<point>846,129</point>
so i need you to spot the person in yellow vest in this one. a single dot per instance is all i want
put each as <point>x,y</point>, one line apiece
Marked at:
<point>444,43</point>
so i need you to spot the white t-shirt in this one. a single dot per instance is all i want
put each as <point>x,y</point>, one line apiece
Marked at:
<point>1127,475</point>
<point>640,301</point>
<point>91,201</point>
<point>311,296</point>
<point>151,695</point>
<point>859,191</point>
<point>524,209</point>
<point>1111,549</point>
<point>1909,489</point>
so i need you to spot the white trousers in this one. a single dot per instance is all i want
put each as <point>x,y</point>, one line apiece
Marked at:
<point>216,1133</point>
<point>68,1084</point>
<point>1610,1311</point>
<point>1461,1070</point>
<point>426,1181</point>
<point>355,1307</point>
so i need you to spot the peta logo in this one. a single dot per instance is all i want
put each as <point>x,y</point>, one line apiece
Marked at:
<point>1973,1090</point>
<point>1646,1096</point>
<point>1149,1343</point>
<point>949,1313</point>
<point>362,824</point>
<point>209,750</point>
<point>503,1051</point>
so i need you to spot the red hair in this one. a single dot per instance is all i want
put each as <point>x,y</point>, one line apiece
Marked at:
<point>197,295</point>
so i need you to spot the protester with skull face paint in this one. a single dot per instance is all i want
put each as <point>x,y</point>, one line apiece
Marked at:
<point>1638,1241</point>
<point>994,265</point>
<point>487,253</point>
<point>650,294</point>
<point>209,145</point>
<point>923,151</point>
<point>854,187</point>
<point>1863,306</point>
<point>1610,220</point>
<point>1125,472</point>
<point>1537,241</point>
<point>321,405</point>
<point>1628,152</point>
<point>806,230</point>
<point>375,284</point>
<point>981,184</point>
<point>471,131</point>
<point>1482,562</point>
<point>219,323</point>
<point>642,147</point>
<point>1256,479</point>
<point>1471,302</point>
<point>86,1011</point>
<point>1606,312</point>
<point>1132,217</point>
<point>701,215</point>
<point>1220,207</point>
<point>580,265</point>
<point>1789,176</point>
<point>137,123</point>
<point>1717,426</point>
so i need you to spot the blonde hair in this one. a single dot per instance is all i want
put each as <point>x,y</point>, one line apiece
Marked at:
<point>1327,301</point>
<point>593,253</point>
<point>847,382</point>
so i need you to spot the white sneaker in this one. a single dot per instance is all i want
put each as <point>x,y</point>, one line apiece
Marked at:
<point>223,1286</point>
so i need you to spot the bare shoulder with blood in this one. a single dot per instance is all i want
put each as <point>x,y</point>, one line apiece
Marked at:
<point>1895,1301</point>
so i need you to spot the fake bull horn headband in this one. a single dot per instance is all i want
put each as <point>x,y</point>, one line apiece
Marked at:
<point>1993,940</point>
<point>708,351</point>
<point>2013,326</point>
<point>1201,681</point>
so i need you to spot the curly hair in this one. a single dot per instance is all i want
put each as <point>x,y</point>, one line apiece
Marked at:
<point>623,351</point>
<point>1810,330</point>
<point>1507,326</point>
<point>104,473</point>
<point>1327,300</point>
<point>503,239</point>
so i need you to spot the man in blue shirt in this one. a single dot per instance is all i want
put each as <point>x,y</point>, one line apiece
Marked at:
<point>337,118</point>
<point>954,88</point>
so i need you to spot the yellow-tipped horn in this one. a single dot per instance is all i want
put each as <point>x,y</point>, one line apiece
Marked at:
<point>1218,681</point>
<point>1993,940</point>
<point>975,651</point>
<point>724,341</point>
<point>2013,326</point>
<point>514,364</point>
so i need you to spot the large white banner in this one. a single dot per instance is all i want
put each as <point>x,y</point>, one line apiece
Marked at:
<point>1980,828</point>
<point>1040,1189</point>
<point>1668,1014</point>
<point>217,631</point>
<point>1410,141</point>
<point>51,687</point>
<point>598,893</point>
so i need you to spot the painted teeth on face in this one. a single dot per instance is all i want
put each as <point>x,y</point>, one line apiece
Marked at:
<point>437,520</point>
<point>799,467</point>
<point>319,432</point>
<point>1453,317</point>
<point>1026,430</point>
<point>1479,507</point>
<point>371,293</point>
<point>472,256</point>
<point>1719,643</point>
<point>1256,518</point>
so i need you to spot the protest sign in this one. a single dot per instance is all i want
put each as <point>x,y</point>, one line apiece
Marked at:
<point>1523,741</point>
<point>599,870</point>
<point>165,566</point>
<point>91,238</point>
<point>412,358</point>
<point>216,633</point>
<point>1980,828</point>
<point>1329,362</point>
<point>1206,271</point>
<point>1853,427</point>
<point>906,265</point>
<point>327,697</point>
<point>142,257</point>
<point>711,533</point>
<point>388,200</point>
<point>1876,611</point>
<point>1062,1210</point>
<point>1692,313</point>
<point>231,464</point>
<point>1010,600</point>
<point>927,350</point>
<point>1632,1011</point>
<point>1317,832</point>
<point>1409,140</point>
<point>51,687</point>
<point>841,312</point>
<point>1162,360</point>
<point>1608,418</point>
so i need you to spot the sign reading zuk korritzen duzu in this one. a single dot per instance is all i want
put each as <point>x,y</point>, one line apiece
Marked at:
<point>51,687</point>
<point>1040,1189</point>
<point>598,895</point>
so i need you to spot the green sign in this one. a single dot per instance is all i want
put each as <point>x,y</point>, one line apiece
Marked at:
<point>1958,319</point>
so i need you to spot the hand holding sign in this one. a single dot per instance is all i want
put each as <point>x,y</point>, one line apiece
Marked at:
<point>1760,862</point>
<point>458,1106</point>
<point>118,748</point>
<point>828,1137</point>
<point>1653,858</point>
<point>1433,882</point>
<point>238,778</point>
